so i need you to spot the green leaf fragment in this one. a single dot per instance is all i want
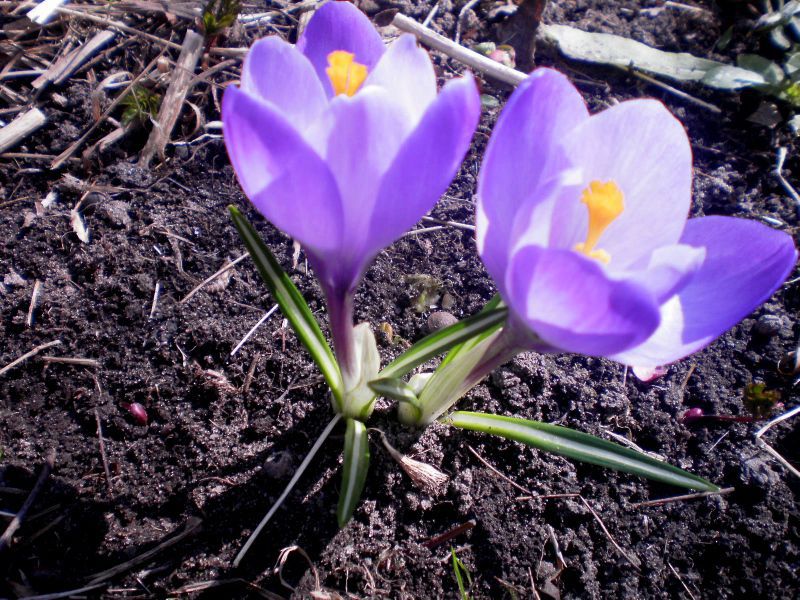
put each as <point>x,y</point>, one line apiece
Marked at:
<point>444,339</point>
<point>354,474</point>
<point>292,304</point>
<point>399,390</point>
<point>461,571</point>
<point>579,446</point>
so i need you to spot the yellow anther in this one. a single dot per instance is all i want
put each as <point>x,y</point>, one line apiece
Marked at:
<point>345,74</point>
<point>605,203</point>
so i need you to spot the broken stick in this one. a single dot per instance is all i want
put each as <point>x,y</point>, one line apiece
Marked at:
<point>469,57</point>
<point>59,71</point>
<point>20,128</point>
<point>191,51</point>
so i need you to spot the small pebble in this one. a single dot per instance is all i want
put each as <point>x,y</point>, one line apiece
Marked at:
<point>790,363</point>
<point>440,320</point>
<point>448,301</point>
<point>768,325</point>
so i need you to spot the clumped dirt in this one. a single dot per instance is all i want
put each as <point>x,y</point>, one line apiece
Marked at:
<point>226,432</point>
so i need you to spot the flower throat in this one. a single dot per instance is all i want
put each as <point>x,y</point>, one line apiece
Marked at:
<point>346,74</point>
<point>604,200</point>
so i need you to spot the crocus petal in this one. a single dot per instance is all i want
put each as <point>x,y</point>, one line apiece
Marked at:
<point>426,163</point>
<point>339,26</point>
<point>648,374</point>
<point>670,269</point>
<point>567,300</point>
<point>642,148</point>
<point>276,72</point>
<point>367,132</point>
<point>516,166</point>
<point>745,263</point>
<point>283,177</point>
<point>406,72</point>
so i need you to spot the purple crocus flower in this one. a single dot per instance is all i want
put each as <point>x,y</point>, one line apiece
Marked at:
<point>345,144</point>
<point>582,222</point>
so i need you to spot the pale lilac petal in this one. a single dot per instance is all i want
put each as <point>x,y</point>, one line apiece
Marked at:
<point>367,132</point>
<point>745,263</point>
<point>520,160</point>
<point>670,269</point>
<point>283,177</point>
<point>568,301</point>
<point>339,26</point>
<point>647,375</point>
<point>406,72</point>
<point>642,148</point>
<point>276,72</point>
<point>426,162</point>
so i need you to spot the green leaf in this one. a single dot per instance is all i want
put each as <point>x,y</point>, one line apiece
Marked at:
<point>770,71</point>
<point>399,390</point>
<point>356,464</point>
<point>489,319</point>
<point>450,382</point>
<point>470,343</point>
<point>460,570</point>
<point>609,49</point>
<point>292,304</point>
<point>728,77</point>
<point>579,446</point>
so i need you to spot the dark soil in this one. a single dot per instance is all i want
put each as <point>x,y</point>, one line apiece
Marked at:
<point>220,444</point>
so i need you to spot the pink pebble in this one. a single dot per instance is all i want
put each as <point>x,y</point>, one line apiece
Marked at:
<point>692,414</point>
<point>138,412</point>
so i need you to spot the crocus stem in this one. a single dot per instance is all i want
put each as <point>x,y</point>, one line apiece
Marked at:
<point>340,313</point>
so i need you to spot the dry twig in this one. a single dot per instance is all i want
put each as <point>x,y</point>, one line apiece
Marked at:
<point>674,91</point>
<point>769,448</point>
<point>498,473</point>
<point>208,280</point>
<point>253,329</point>
<point>20,128</point>
<point>681,498</point>
<point>472,59</point>
<point>37,288</point>
<point>73,148</point>
<point>191,527</point>
<point>103,455</point>
<point>78,362</point>
<point>783,181</point>
<point>64,67</point>
<point>171,105</point>
<point>28,355</point>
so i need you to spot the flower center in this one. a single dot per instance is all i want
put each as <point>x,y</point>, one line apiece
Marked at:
<point>345,74</point>
<point>605,203</point>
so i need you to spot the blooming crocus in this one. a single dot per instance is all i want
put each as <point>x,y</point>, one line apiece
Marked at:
<point>582,223</point>
<point>344,144</point>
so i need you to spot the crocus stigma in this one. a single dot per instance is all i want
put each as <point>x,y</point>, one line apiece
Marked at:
<point>589,243</point>
<point>344,145</point>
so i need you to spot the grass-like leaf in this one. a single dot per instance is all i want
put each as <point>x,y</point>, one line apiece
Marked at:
<point>579,446</point>
<point>460,571</point>
<point>399,390</point>
<point>470,343</point>
<point>354,474</point>
<point>292,303</point>
<point>486,321</point>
